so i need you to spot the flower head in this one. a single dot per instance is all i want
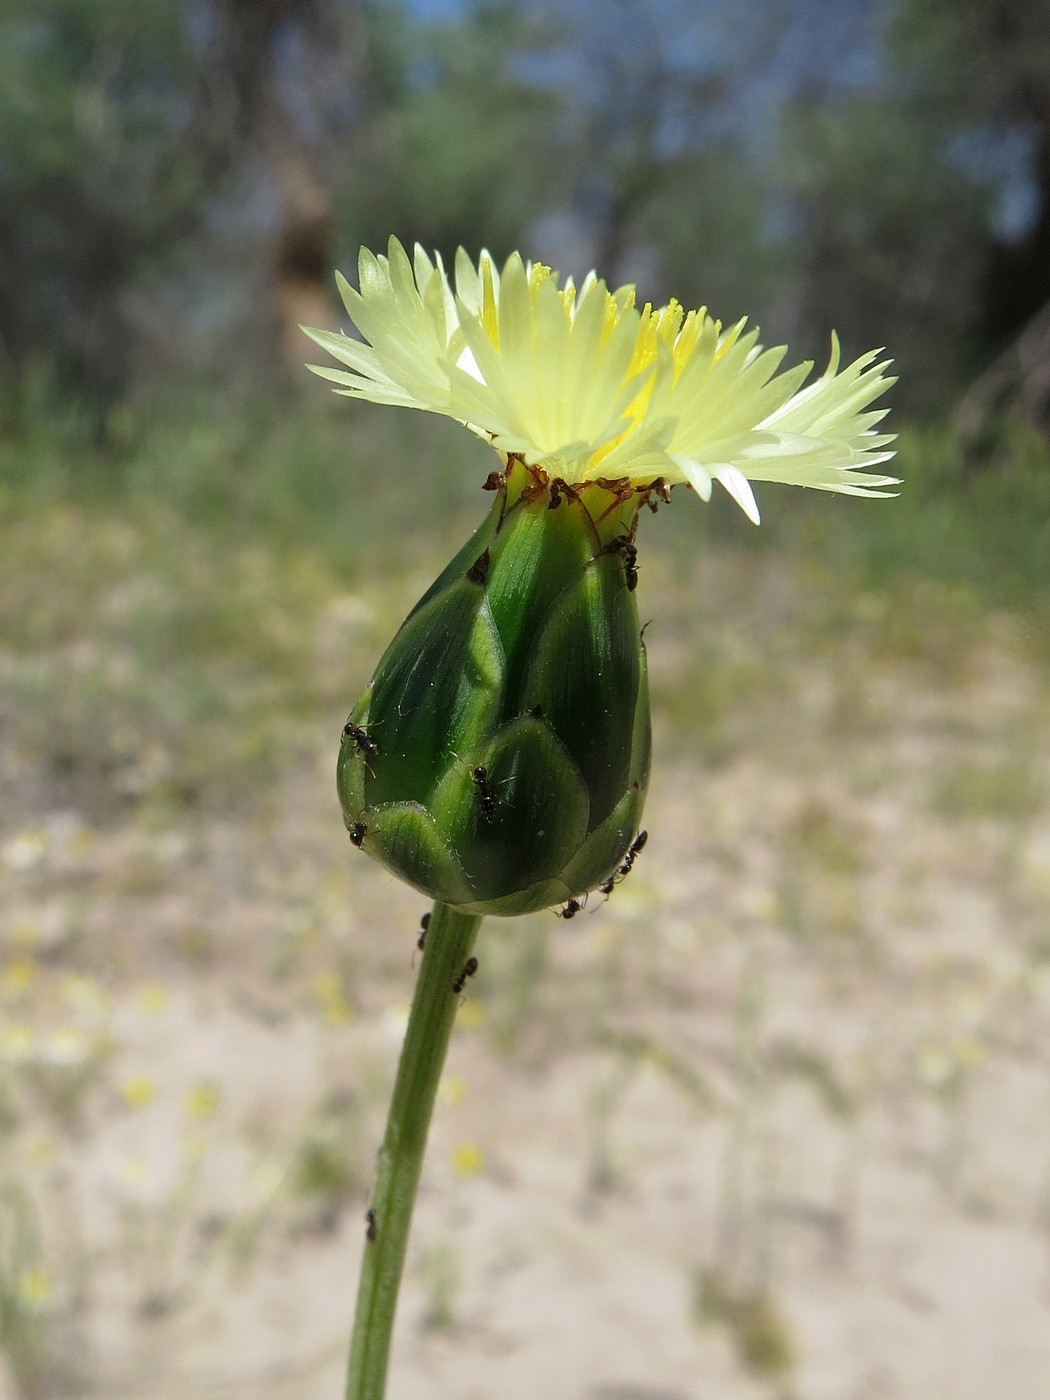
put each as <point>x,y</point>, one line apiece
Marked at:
<point>581,382</point>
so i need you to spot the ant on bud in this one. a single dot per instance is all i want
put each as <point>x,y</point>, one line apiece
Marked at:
<point>364,744</point>
<point>625,547</point>
<point>571,909</point>
<point>486,796</point>
<point>629,859</point>
<point>357,834</point>
<point>469,969</point>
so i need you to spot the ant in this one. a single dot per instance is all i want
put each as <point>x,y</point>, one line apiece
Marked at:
<point>469,969</point>
<point>360,738</point>
<point>486,795</point>
<point>421,941</point>
<point>625,546</point>
<point>571,909</point>
<point>365,745</point>
<point>357,834</point>
<point>629,859</point>
<point>372,1232</point>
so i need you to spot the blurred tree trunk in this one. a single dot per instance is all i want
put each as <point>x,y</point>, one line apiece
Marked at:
<point>280,86</point>
<point>1018,281</point>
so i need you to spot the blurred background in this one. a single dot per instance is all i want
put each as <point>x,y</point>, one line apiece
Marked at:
<point>771,1124</point>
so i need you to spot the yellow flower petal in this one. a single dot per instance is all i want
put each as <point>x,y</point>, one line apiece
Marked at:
<point>586,386</point>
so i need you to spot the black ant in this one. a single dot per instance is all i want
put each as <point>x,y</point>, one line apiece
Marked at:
<point>364,744</point>
<point>571,909</point>
<point>421,941</point>
<point>485,794</point>
<point>625,546</point>
<point>372,1231</point>
<point>629,859</point>
<point>469,969</point>
<point>357,834</point>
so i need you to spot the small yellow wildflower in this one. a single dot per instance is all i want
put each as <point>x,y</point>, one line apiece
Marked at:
<point>468,1158</point>
<point>971,1052</point>
<point>16,979</point>
<point>138,1092</point>
<point>34,1288</point>
<point>328,990</point>
<point>202,1101</point>
<point>154,999</point>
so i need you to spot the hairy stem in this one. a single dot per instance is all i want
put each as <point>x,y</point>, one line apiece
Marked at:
<point>450,940</point>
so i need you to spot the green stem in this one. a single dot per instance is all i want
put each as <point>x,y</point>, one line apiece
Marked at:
<point>450,939</point>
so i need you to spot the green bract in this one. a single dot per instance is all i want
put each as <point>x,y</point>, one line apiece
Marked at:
<point>499,759</point>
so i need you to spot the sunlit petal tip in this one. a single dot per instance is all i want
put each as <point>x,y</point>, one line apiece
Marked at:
<point>738,486</point>
<point>344,288</point>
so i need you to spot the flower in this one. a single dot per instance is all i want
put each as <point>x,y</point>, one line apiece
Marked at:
<point>585,385</point>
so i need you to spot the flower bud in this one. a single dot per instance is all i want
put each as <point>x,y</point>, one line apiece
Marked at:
<point>499,759</point>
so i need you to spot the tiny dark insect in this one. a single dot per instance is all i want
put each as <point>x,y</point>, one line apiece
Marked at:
<point>486,796</point>
<point>627,550</point>
<point>571,909</point>
<point>372,1230</point>
<point>364,743</point>
<point>629,859</point>
<point>424,925</point>
<point>469,969</point>
<point>357,834</point>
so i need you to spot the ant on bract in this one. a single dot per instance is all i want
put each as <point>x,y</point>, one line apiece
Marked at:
<point>629,859</point>
<point>572,908</point>
<point>486,797</point>
<point>360,737</point>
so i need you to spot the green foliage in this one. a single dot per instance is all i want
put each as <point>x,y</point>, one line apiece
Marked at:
<point>886,227</point>
<point>91,95</point>
<point>759,1330</point>
<point>456,149</point>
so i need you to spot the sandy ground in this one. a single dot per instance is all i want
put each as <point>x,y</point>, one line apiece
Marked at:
<point>772,1122</point>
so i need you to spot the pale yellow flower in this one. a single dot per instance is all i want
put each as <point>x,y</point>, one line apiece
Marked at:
<point>138,1092</point>
<point>34,1288</point>
<point>583,383</point>
<point>467,1158</point>
<point>202,1101</point>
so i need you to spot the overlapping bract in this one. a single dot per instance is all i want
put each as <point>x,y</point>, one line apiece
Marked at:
<point>586,385</point>
<point>498,761</point>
